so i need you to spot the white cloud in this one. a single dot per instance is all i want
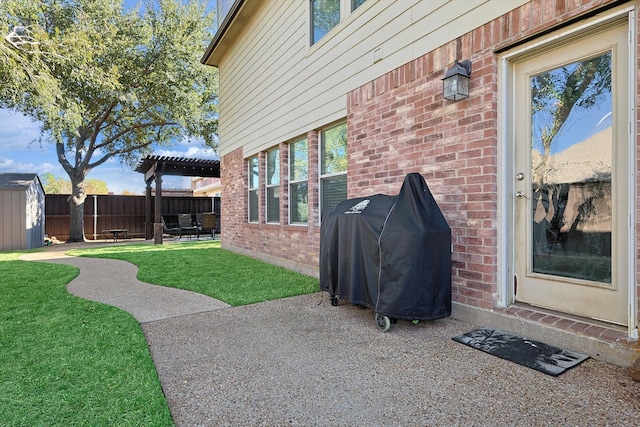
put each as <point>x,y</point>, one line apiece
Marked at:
<point>17,131</point>
<point>201,152</point>
<point>10,165</point>
<point>191,152</point>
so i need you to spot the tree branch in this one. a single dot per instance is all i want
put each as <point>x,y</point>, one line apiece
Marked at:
<point>97,128</point>
<point>100,121</point>
<point>117,152</point>
<point>19,37</point>
<point>131,129</point>
<point>62,158</point>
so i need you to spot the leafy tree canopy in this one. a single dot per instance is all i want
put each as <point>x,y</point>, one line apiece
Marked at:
<point>57,185</point>
<point>108,82</point>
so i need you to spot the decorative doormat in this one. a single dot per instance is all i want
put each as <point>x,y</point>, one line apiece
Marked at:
<point>532,354</point>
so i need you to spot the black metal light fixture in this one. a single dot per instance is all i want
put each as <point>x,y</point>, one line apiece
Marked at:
<point>455,84</point>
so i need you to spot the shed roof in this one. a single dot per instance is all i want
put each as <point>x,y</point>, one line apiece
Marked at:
<point>16,181</point>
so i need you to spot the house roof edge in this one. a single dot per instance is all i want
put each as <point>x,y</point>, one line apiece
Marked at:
<point>210,57</point>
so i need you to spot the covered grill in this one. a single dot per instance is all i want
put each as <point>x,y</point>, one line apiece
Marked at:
<point>389,253</point>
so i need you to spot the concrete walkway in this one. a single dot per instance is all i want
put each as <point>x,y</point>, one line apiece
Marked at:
<point>300,361</point>
<point>114,282</point>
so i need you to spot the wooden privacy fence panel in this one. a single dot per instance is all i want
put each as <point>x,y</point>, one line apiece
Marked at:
<point>106,212</point>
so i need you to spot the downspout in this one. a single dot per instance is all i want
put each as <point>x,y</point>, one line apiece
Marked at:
<point>95,217</point>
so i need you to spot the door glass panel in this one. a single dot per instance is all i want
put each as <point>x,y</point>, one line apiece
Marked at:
<point>571,152</point>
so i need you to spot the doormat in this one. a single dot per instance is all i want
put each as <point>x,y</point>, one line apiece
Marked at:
<point>532,354</point>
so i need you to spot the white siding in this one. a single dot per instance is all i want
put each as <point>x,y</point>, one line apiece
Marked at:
<point>274,86</point>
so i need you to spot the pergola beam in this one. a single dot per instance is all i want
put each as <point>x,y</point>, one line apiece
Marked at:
<point>154,167</point>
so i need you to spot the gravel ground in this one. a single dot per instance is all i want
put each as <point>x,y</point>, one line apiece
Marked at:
<point>300,363</point>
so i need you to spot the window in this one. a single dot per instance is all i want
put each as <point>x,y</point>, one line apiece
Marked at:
<point>298,182</point>
<point>356,4</point>
<point>333,166</point>
<point>253,189</point>
<point>326,14</point>
<point>273,185</point>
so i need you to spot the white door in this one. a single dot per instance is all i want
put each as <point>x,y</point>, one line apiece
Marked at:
<point>571,175</point>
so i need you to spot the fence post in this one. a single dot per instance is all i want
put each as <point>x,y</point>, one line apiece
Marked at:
<point>157,225</point>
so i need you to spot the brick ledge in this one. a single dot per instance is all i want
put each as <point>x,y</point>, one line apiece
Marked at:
<point>608,343</point>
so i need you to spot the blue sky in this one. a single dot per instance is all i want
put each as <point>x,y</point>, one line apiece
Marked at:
<point>20,152</point>
<point>580,125</point>
<point>583,121</point>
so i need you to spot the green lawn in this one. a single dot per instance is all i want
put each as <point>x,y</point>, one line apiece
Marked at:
<point>205,268</point>
<point>66,361</point>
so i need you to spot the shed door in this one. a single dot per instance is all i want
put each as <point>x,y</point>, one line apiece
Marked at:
<point>571,176</point>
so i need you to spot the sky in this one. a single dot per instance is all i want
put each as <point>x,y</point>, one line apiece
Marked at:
<point>20,152</point>
<point>579,126</point>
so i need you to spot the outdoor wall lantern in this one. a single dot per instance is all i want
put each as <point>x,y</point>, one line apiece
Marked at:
<point>455,84</point>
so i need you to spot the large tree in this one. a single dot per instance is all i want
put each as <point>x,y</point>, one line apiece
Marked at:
<point>108,82</point>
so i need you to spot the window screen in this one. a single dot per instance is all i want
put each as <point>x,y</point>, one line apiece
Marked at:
<point>254,181</point>
<point>298,182</point>
<point>333,166</point>
<point>273,185</point>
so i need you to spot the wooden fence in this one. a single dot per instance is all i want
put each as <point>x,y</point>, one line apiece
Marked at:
<point>106,212</point>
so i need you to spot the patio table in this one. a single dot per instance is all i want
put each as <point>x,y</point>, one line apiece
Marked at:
<point>115,232</point>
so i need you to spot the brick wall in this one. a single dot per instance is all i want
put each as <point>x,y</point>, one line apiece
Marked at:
<point>398,124</point>
<point>233,217</point>
<point>293,246</point>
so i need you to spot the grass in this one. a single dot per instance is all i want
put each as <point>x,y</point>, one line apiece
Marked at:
<point>66,361</point>
<point>205,268</point>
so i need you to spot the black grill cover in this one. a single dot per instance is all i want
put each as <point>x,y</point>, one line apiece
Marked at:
<point>389,253</point>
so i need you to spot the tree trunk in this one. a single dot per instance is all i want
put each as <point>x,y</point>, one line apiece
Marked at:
<point>76,208</point>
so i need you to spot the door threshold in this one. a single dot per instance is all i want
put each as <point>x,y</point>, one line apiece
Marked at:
<point>600,340</point>
<point>570,322</point>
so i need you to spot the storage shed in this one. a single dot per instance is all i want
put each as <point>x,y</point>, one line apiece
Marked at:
<point>21,211</point>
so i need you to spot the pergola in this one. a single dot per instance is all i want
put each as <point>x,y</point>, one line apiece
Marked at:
<point>153,167</point>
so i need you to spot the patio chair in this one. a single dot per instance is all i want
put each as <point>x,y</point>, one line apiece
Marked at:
<point>207,223</point>
<point>185,223</point>
<point>171,230</point>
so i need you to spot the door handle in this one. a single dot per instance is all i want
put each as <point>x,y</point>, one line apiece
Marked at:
<point>520,195</point>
